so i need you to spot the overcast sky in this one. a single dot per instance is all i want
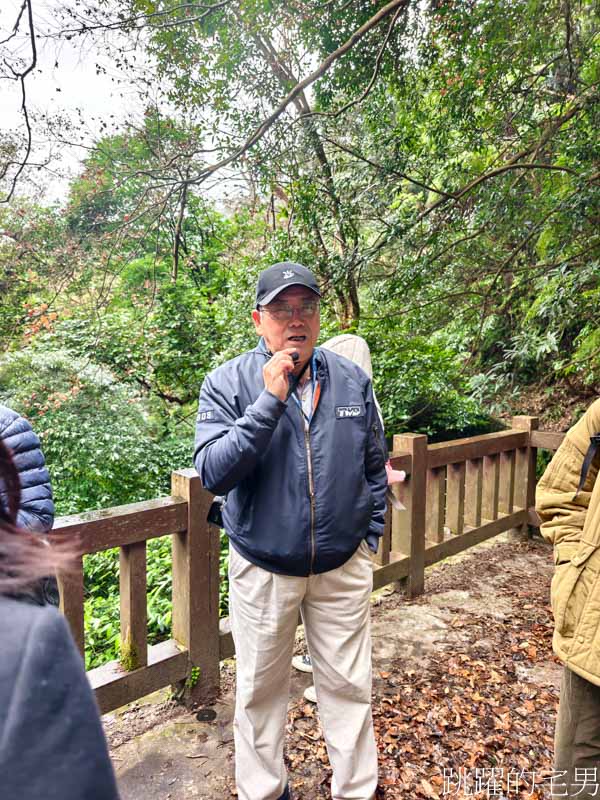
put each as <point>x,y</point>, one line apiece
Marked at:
<point>65,82</point>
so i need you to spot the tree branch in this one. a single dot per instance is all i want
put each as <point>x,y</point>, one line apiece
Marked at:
<point>374,76</point>
<point>16,25</point>
<point>170,398</point>
<point>387,170</point>
<point>125,23</point>
<point>262,129</point>
<point>21,78</point>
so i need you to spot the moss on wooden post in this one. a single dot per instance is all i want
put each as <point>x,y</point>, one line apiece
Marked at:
<point>129,657</point>
<point>196,578</point>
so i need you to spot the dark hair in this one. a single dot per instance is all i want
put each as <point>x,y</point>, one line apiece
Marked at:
<point>25,557</point>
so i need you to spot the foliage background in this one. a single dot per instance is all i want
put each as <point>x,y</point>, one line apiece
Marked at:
<point>441,178</point>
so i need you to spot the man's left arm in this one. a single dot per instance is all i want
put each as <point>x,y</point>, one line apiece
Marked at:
<point>375,458</point>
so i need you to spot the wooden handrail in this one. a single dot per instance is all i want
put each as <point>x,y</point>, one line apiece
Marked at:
<point>142,669</point>
<point>457,494</point>
<point>547,440</point>
<point>167,664</point>
<point>443,453</point>
<point>121,525</point>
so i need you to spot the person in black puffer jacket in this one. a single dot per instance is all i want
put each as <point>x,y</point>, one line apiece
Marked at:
<point>36,512</point>
<point>36,509</point>
<point>51,740</point>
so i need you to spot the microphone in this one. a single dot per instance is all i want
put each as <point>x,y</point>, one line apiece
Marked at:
<point>294,380</point>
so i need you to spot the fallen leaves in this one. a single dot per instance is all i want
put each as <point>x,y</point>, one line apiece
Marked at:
<point>471,709</point>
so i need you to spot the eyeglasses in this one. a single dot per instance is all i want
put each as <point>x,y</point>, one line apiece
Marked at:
<point>284,313</point>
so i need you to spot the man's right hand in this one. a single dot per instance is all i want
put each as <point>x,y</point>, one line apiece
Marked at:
<point>276,373</point>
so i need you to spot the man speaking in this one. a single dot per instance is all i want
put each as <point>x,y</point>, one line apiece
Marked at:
<point>290,434</point>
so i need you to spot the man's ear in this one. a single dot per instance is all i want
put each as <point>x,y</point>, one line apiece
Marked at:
<point>256,318</point>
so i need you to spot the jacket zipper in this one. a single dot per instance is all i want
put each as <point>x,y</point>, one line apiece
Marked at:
<point>311,495</point>
<point>311,489</point>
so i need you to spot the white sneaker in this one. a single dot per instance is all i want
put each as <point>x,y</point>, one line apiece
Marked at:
<point>310,694</point>
<point>302,663</point>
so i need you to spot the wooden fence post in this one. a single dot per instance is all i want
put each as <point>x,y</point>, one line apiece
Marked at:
<point>473,492</point>
<point>415,501</point>
<point>70,587</point>
<point>455,497</point>
<point>435,505</point>
<point>489,497</point>
<point>134,606</point>
<point>196,588</point>
<point>525,469</point>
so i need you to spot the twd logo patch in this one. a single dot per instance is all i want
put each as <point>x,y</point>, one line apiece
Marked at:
<point>348,412</point>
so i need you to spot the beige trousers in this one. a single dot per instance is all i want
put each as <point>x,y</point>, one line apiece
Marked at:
<point>335,610</point>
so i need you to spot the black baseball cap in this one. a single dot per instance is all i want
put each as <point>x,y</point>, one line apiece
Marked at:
<point>275,279</point>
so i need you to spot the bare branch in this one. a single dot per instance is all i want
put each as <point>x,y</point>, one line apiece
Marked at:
<point>126,23</point>
<point>22,77</point>
<point>16,25</point>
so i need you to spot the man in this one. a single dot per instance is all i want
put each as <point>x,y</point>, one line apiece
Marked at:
<point>568,502</point>
<point>290,434</point>
<point>357,350</point>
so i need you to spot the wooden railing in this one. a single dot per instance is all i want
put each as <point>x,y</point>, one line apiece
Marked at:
<point>457,494</point>
<point>195,612</point>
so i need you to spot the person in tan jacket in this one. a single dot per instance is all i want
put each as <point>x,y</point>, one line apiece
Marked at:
<point>568,503</point>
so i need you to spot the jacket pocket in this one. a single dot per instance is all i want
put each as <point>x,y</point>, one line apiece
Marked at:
<point>238,507</point>
<point>570,588</point>
<point>367,500</point>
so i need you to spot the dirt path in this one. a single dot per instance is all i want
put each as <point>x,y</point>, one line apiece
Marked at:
<point>464,697</point>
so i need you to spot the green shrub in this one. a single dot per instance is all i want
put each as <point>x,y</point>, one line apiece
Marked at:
<point>420,384</point>
<point>103,448</point>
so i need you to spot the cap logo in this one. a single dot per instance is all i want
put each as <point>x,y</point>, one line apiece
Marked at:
<point>287,273</point>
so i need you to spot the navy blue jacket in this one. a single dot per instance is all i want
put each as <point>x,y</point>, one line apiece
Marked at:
<point>37,509</point>
<point>253,447</point>
<point>51,742</point>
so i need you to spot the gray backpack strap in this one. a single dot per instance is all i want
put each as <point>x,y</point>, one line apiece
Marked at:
<point>591,454</point>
